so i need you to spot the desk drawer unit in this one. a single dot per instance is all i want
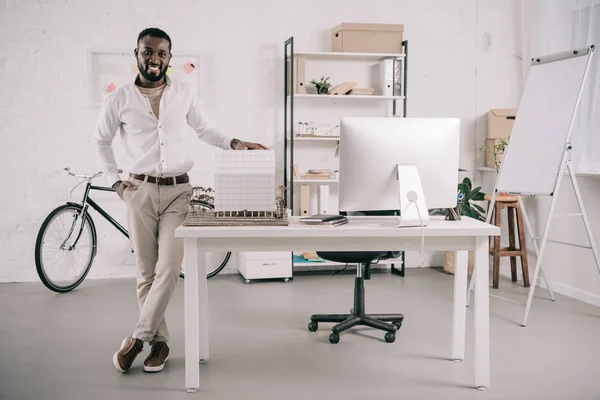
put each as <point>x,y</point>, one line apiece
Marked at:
<point>265,265</point>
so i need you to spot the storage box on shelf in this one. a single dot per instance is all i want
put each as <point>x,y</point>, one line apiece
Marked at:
<point>368,38</point>
<point>499,127</point>
<point>500,123</point>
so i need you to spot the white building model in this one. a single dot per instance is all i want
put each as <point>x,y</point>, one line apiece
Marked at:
<point>245,180</point>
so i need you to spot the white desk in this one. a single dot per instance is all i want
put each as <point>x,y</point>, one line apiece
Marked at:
<point>361,234</point>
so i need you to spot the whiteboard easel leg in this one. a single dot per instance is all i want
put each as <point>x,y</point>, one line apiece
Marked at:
<point>535,246</point>
<point>540,256</point>
<point>586,221</point>
<point>537,253</point>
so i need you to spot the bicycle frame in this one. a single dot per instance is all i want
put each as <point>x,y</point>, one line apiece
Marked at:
<point>87,201</point>
<point>82,214</point>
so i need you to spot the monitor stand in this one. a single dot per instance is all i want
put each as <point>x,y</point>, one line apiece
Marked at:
<point>413,209</point>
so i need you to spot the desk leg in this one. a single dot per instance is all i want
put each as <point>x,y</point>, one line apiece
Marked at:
<point>203,307</point>
<point>460,306</point>
<point>482,313</point>
<point>190,317</point>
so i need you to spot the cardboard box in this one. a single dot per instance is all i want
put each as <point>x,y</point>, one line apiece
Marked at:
<point>367,38</point>
<point>500,123</point>
<point>450,262</point>
<point>490,162</point>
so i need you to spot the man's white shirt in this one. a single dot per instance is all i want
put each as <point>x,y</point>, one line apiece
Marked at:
<point>156,147</point>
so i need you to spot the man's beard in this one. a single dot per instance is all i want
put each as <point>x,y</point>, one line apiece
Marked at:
<point>150,76</point>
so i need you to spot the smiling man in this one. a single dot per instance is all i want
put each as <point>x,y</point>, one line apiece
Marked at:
<point>153,115</point>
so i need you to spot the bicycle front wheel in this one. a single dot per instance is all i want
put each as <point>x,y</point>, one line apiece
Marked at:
<point>215,262</point>
<point>65,248</point>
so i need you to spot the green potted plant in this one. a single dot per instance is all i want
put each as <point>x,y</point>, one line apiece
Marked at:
<point>470,209</point>
<point>323,85</point>
<point>467,207</point>
<point>469,196</point>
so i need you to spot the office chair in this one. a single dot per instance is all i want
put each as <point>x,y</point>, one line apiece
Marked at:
<point>357,315</point>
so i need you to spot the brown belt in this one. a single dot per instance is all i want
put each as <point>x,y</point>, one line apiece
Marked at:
<point>162,181</point>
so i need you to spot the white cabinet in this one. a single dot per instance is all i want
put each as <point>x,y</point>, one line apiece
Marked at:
<point>265,265</point>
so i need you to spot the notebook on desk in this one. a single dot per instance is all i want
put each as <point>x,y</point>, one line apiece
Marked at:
<point>322,218</point>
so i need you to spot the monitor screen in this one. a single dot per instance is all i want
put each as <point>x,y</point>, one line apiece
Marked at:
<point>371,148</point>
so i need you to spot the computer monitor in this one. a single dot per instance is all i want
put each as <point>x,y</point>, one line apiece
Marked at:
<point>371,148</point>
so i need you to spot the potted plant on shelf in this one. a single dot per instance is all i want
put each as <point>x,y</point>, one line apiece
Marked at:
<point>323,85</point>
<point>496,151</point>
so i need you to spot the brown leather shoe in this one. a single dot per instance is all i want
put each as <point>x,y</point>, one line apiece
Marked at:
<point>159,355</point>
<point>129,350</point>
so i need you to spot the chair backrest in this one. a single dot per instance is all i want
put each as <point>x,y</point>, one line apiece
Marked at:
<point>390,254</point>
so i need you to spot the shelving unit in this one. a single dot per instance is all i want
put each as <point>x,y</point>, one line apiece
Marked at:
<point>291,97</point>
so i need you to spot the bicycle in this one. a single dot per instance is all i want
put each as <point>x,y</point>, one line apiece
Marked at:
<point>78,237</point>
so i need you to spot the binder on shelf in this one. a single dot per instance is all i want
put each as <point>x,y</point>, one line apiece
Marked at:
<point>386,77</point>
<point>397,78</point>
<point>323,199</point>
<point>304,200</point>
<point>389,77</point>
<point>298,80</point>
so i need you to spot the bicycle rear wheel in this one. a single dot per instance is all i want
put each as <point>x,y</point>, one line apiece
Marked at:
<point>63,257</point>
<point>215,262</point>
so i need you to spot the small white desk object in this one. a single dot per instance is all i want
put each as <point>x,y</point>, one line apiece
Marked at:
<point>361,233</point>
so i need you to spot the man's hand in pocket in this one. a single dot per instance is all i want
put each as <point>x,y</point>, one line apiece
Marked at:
<point>120,187</point>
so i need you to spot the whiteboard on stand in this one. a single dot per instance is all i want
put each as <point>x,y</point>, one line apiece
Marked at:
<point>533,159</point>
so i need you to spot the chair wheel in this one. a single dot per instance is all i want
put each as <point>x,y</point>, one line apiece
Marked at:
<point>313,326</point>
<point>397,324</point>
<point>334,338</point>
<point>390,337</point>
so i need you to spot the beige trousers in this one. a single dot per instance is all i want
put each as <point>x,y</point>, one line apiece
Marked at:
<point>153,213</point>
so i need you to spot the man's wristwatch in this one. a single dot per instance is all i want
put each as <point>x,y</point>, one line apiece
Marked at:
<point>233,142</point>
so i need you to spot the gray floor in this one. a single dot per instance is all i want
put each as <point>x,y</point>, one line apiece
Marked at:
<point>60,346</point>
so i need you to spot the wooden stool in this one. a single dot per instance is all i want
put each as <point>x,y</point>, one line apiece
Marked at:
<point>511,204</point>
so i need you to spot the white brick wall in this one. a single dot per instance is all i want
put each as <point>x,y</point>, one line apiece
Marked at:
<point>46,122</point>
